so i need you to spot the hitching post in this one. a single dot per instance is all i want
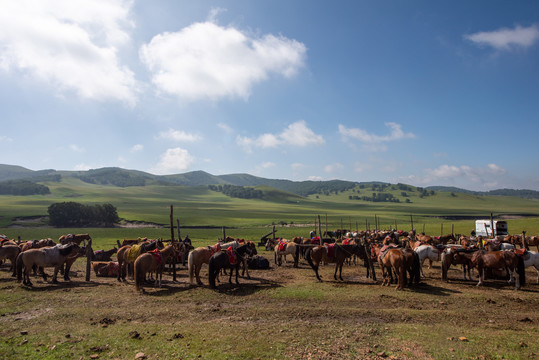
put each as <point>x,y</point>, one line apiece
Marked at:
<point>89,253</point>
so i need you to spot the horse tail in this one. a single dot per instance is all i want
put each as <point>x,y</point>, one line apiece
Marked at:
<point>191,267</point>
<point>445,266</point>
<point>139,274</point>
<point>308,257</point>
<point>416,269</point>
<point>521,271</point>
<point>19,267</point>
<point>212,272</point>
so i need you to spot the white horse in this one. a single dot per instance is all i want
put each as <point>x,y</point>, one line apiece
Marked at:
<point>427,252</point>
<point>531,258</point>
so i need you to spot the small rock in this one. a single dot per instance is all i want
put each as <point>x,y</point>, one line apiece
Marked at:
<point>94,356</point>
<point>134,334</point>
<point>53,347</point>
<point>382,354</point>
<point>68,336</point>
<point>140,356</point>
<point>526,319</point>
<point>24,332</point>
<point>451,350</point>
<point>463,338</point>
<point>523,344</point>
<point>23,342</point>
<point>178,336</point>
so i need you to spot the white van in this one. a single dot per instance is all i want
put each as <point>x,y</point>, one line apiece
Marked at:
<point>482,228</point>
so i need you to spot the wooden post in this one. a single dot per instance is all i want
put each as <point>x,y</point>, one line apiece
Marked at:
<point>224,232</point>
<point>179,233</point>
<point>89,253</point>
<point>423,228</point>
<point>171,223</point>
<point>524,242</point>
<point>320,228</point>
<point>119,244</point>
<point>452,229</point>
<point>375,223</point>
<point>441,229</point>
<point>412,221</point>
<point>492,226</point>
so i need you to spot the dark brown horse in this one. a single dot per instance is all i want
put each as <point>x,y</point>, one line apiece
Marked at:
<point>221,260</point>
<point>337,254</point>
<point>401,261</point>
<point>103,255</point>
<point>10,252</point>
<point>74,238</point>
<point>455,256</point>
<point>500,260</point>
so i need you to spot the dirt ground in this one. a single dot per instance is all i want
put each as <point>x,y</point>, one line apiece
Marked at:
<point>280,313</point>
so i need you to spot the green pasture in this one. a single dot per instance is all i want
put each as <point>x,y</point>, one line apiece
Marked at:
<point>202,212</point>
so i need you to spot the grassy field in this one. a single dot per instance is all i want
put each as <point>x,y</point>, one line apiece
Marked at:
<point>279,313</point>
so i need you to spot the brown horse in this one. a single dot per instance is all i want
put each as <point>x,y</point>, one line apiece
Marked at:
<point>154,260</point>
<point>102,255</point>
<point>55,257</point>
<point>222,259</point>
<point>128,254</point>
<point>457,255</point>
<point>74,238</point>
<point>37,244</point>
<point>500,260</point>
<point>10,252</point>
<point>401,261</point>
<point>337,254</point>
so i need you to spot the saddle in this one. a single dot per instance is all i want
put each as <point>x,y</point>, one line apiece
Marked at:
<point>282,245</point>
<point>232,257</point>
<point>157,256</point>
<point>133,253</point>
<point>521,252</point>
<point>330,250</point>
<point>315,240</point>
<point>214,248</point>
<point>346,242</point>
<point>385,249</point>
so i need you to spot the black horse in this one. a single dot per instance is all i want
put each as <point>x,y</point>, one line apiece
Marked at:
<point>221,260</point>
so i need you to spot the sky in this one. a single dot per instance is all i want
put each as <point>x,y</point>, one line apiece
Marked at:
<point>417,92</point>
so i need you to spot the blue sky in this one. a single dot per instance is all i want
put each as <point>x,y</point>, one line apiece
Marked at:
<point>423,92</point>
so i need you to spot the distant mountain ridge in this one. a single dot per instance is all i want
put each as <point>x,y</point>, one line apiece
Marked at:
<point>115,176</point>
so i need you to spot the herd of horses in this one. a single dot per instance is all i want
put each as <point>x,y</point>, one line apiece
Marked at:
<point>399,255</point>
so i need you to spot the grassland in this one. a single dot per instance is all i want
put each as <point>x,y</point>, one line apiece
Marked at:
<point>279,313</point>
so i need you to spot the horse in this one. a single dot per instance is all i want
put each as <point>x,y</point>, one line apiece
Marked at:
<point>47,257</point>
<point>222,259</point>
<point>202,255</point>
<point>37,244</point>
<point>10,252</point>
<point>401,261</point>
<point>102,255</point>
<point>497,260</point>
<point>531,258</point>
<point>427,252</point>
<point>127,255</point>
<point>74,238</point>
<point>154,260</point>
<point>283,248</point>
<point>337,254</point>
<point>444,239</point>
<point>495,245</point>
<point>457,255</point>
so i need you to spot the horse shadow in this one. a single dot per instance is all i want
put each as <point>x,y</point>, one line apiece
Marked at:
<point>166,289</point>
<point>246,289</point>
<point>64,285</point>
<point>425,288</point>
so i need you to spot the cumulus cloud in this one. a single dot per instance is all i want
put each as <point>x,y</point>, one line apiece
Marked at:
<point>371,141</point>
<point>173,161</point>
<point>137,148</point>
<point>506,39</point>
<point>76,148</point>
<point>331,168</point>
<point>453,175</point>
<point>226,128</point>
<point>178,135</point>
<point>208,61</point>
<point>296,134</point>
<point>72,45</point>
<point>82,167</point>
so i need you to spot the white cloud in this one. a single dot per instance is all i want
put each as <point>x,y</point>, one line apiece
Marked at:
<point>374,142</point>
<point>454,175</point>
<point>137,148</point>
<point>72,45</point>
<point>76,148</point>
<point>172,161</point>
<point>315,178</point>
<point>506,39</point>
<point>331,168</point>
<point>296,134</point>
<point>5,138</point>
<point>226,128</point>
<point>178,135</point>
<point>208,61</point>
<point>82,167</point>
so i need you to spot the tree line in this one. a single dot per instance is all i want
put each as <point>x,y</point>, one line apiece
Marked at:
<point>22,187</point>
<point>242,192</point>
<point>73,214</point>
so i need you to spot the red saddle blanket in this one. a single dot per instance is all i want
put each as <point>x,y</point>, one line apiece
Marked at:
<point>157,256</point>
<point>232,257</point>
<point>282,245</point>
<point>330,250</point>
<point>214,248</point>
<point>315,240</point>
<point>346,242</point>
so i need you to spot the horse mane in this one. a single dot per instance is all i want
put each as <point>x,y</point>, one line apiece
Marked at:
<point>66,250</point>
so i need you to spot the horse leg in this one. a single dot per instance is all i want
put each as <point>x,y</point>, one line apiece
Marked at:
<point>230,276</point>
<point>430,263</point>
<point>481,276</point>
<point>421,267</point>
<point>237,271</point>
<point>55,276</point>
<point>197,273</point>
